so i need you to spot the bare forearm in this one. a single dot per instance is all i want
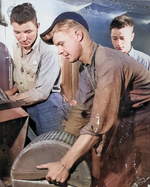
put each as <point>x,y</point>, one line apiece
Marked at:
<point>12,91</point>
<point>59,170</point>
<point>83,144</point>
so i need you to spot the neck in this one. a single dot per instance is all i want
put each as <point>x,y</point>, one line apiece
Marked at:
<point>87,52</point>
<point>129,50</point>
<point>25,50</point>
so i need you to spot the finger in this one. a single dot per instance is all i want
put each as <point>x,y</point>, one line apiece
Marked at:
<point>42,166</point>
<point>48,178</point>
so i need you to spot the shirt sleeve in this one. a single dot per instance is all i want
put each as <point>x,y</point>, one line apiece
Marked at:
<point>141,57</point>
<point>145,60</point>
<point>48,72</point>
<point>106,100</point>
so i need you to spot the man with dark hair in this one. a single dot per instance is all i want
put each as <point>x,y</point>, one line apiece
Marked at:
<point>114,97</point>
<point>36,72</point>
<point>121,32</point>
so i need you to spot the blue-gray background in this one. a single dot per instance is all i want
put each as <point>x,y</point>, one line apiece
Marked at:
<point>98,14</point>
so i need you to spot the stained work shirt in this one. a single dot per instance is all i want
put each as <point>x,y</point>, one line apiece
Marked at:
<point>36,73</point>
<point>122,85</point>
<point>141,57</point>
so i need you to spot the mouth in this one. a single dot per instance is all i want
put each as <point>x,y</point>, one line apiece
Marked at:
<point>24,43</point>
<point>119,48</point>
<point>65,56</point>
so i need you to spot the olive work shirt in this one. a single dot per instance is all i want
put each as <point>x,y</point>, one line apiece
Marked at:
<point>36,73</point>
<point>108,91</point>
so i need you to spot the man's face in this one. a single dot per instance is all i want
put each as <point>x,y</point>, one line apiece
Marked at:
<point>25,33</point>
<point>122,38</point>
<point>68,45</point>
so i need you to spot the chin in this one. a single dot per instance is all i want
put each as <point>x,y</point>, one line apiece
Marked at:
<point>26,46</point>
<point>73,61</point>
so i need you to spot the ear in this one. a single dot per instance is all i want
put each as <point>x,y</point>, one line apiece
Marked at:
<point>79,35</point>
<point>132,36</point>
<point>38,25</point>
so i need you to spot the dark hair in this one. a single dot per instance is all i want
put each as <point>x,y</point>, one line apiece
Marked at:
<point>23,13</point>
<point>122,21</point>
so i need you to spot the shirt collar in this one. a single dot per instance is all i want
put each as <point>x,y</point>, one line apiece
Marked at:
<point>131,51</point>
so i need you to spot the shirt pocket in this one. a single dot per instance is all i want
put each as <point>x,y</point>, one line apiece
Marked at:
<point>30,76</point>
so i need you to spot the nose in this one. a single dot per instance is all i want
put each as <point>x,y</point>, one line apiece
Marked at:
<point>118,42</point>
<point>60,50</point>
<point>23,37</point>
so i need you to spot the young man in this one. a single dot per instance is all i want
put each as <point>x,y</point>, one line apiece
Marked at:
<point>121,32</point>
<point>113,97</point>
<point>36,72</point>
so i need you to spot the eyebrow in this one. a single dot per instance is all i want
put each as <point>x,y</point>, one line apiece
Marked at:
<point>114,36</point>
<point>24,31</point>
<point>59,43</point>
<point>15,30</point>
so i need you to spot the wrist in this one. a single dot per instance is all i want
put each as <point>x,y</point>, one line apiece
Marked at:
<point>65,167</point>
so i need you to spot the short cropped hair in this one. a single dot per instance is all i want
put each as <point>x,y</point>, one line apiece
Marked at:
<point>23,13</point>
<point>66,24</point>
<point>121,21</point>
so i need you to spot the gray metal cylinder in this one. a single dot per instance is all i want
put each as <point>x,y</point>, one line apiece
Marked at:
<point>48,147</point>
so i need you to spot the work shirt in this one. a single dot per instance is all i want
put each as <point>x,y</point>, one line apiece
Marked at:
<point>114,104</point>
<point>122,85</point>
<point>36,73</point>
<point>141,57</point>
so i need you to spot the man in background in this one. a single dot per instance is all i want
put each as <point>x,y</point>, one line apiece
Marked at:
<point>122,34</point>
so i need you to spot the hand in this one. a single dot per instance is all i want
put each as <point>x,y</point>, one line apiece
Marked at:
<point>57,173</point>
<point>73,102</point>
<point>13,97</point>
<point>9,93</point>
<point>12,91</point>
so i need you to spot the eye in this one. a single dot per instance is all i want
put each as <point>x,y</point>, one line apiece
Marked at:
<point>60,43</point>
<point>16,32</point>
<point>122,38</point>
<point>28,32</point>
<point>114,38</point>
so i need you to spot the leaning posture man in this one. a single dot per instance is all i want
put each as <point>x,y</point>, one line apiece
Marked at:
<point>36,72</point>
<point>114,93</point>
<point>122,35</point>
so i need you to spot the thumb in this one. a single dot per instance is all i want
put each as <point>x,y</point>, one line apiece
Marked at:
<point>42,166</point>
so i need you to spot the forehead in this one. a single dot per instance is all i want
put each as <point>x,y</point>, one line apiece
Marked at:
<point>25,26</point>
<point>62,36</point>
<point>121,32</point>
